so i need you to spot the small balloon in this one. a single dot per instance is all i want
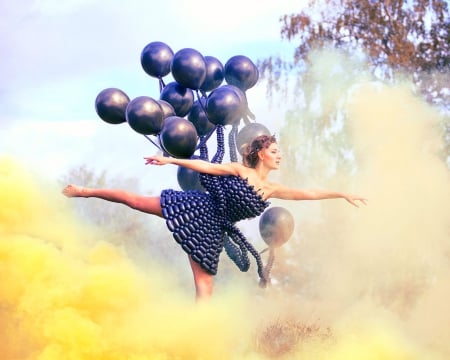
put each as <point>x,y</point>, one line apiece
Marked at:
<point>249,132</point>
<point>223,106</point>
<point>189,68</point>
<point>198,117</point>
<point>178,137</point>
<point>189,179</point>
<point>276,226</point>
<point>180,97</point>
<point>214,74</point>
<point>110,105</point>
<point>167,109</point>
<point>145,115</point>
<point>241,72</point>
<point>156,58</point>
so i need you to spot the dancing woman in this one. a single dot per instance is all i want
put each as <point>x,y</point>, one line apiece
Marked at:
<point>200,220</point>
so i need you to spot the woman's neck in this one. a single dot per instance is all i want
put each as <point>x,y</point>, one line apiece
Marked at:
<point>262,171</point>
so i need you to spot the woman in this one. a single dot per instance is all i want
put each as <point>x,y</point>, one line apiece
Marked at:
<point>199,221</point>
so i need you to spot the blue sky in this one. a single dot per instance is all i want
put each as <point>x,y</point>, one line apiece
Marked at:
<point>57,56</point>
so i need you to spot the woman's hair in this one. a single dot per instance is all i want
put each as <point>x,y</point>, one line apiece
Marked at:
<point>250,156</point>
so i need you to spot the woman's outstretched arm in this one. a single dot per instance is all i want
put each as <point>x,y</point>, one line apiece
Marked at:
<point>287,193</point>
<point>198,165</point>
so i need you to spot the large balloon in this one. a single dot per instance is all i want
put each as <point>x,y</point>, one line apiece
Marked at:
<point>189,68</point>
<point>180,97</point>
<point>224,106</point>
<point>249,132</point>
<point>241,72</point>
<point>156,58</point>
<point>145,115</point>
<point>189,179</point>
<point>178,137</point>
<point>167,109</point>
<point>214,74</point>
<point>243,111</point>
<point>276,226</point>
<point>198,117</point>
<point>110,105</point>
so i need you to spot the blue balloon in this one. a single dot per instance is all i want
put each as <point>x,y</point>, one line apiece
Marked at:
<point>240,71</point>
<point>145,115</point>
<point>167,109</point>
<point>156,58</point>
<point>214,74</point>
<point>110,105</point>
<point>178,137</point>
<point>243,111</point>
<point>189,179</point>
<point>180,97</point>
<point>198,117</point>
<point>223,106</point>
<point>189,68</point>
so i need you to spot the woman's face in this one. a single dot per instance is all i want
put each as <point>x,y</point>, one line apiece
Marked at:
<point>271,156</point>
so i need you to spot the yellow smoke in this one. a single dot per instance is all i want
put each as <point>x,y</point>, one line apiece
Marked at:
<point>66,293</point>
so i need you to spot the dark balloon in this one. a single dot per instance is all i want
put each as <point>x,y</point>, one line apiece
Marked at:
<point>156,58</point>
<point>111,104</point>
<point>198,117</point>
<point>145,115</point>
<point>241,72</point>
<point>189,68</point>
<point>180,97</point>
<point>246,135</point>
<point>178,137</point>
<point>189,179</point>
<point>276,226</point>
<point>214,74</point>
<point>223,106</point>
<point>167,109</point>
<point>243,111</point>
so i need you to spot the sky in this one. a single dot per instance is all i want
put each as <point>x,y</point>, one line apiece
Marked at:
<point>57,57</point>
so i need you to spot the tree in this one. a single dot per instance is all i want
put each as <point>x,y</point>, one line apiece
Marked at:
<point>396,39</point>
<point>397,36</point>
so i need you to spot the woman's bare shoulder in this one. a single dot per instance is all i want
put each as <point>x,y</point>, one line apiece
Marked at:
<point>242,170</point>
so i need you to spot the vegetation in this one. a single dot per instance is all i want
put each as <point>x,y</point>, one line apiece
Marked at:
<point>396,36</point>
<point>396,39</point>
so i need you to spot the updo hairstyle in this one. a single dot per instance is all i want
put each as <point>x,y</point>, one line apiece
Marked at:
<point>250,156</point>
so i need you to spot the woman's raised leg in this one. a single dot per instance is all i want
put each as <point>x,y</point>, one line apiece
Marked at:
<point>147,204</point>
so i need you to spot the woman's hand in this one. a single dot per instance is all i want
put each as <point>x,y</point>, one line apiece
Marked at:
<point>156,160</point>
<point>352,199</point>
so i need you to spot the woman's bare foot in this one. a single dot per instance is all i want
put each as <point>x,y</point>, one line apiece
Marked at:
<point>73,191</point>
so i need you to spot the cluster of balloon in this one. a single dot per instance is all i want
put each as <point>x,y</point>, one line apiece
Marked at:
<point>190,108</point>
<point>170,117</point>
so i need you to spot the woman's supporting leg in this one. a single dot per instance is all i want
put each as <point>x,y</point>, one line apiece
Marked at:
<point>203,281</point>
<point>147,204</point>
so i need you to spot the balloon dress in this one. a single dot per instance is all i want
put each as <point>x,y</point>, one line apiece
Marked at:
<point>203,223</point>
<point>198,224</point>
